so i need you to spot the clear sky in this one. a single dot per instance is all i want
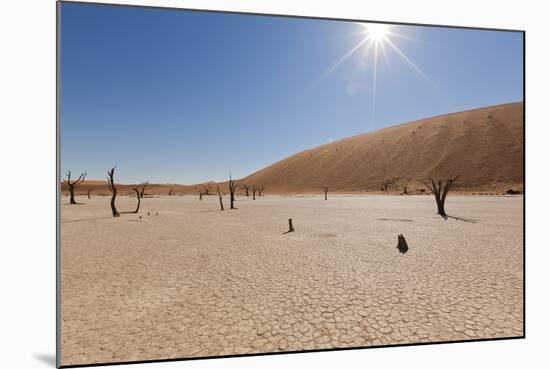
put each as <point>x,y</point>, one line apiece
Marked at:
<point>185,97</point>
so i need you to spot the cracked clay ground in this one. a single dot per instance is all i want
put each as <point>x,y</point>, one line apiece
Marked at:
<point>194,281</point>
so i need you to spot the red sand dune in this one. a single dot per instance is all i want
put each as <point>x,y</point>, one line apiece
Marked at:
<point>484,146</point>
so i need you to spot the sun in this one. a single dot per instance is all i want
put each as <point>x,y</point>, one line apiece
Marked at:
<point>376,40</point>
<point>377,32</point>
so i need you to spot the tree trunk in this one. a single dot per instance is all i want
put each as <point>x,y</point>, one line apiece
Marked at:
<point>220,196</point>
<point>232,188</point>
<point>440,206</point>
<point>113,206</point>
<point>326,193</point>
<point>138,199</point>
<point>71,191</point>
<point>112,187</point>
<point>89,191</point>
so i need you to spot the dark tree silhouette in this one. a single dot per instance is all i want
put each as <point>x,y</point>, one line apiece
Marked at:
<point>142,191</point>
<point>220,196</point>
<point>139,194</point>
<point>112,187</point>
<point>246,188</point>
<point>261,188</point>
<point>326,191</point>
<point>254,192</point>
<point>232,188</point>
<point>387,184</point>
<point>200,195</point>
<point>170,192</point>
<point>89,191</point>
<point>405,186</point>
<point>73,184</point>
<point>440,190</point>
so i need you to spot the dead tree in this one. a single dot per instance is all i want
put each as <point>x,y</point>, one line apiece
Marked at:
<point>440,190</point>
<point>89,191</point>
<point>139,194</point>
<point>253,192</point>
<point>405,186</point>
<point>200,195</point>
<point>246,188</point>
<point>220,196</point>
<point>170,192</point>
<point>112,187</point>
<point>207,190</point>
<point>387,184</point>
<point>326,192</point>
<point>142,192</point>
<point>73,184</point>
<point>232,188</point>
<point>260,190</point>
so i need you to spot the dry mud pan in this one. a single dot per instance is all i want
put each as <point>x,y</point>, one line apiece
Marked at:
<point>193,281</point>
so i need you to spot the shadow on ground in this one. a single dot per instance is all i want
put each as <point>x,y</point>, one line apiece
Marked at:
<point>48,359</point>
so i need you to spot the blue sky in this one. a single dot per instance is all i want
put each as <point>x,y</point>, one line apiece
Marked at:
<point>186,97</point>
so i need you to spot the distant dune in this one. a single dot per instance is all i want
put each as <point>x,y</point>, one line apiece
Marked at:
<point>484,146</point>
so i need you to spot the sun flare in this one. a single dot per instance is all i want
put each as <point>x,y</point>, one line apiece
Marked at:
<point>377,39</point>
<point>377,31</point>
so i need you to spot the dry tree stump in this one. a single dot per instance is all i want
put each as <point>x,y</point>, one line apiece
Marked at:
<point>402,244</point>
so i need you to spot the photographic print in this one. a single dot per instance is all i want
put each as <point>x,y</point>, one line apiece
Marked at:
<point>237,184</point>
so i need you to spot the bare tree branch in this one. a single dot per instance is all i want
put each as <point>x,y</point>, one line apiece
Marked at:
<point>440,191</point>
<point>73,184</point>
<point>220,196</point>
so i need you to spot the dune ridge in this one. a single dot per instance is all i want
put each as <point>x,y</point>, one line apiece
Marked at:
<point>484,146</point>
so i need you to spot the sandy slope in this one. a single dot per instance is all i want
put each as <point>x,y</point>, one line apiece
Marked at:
<point>484,146</point>
<point>195,281</point>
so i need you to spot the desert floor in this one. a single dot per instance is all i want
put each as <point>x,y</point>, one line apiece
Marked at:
<point>194,281</point>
